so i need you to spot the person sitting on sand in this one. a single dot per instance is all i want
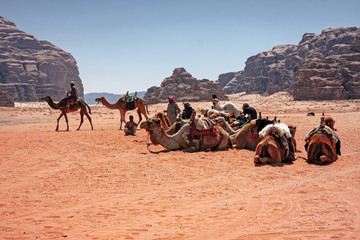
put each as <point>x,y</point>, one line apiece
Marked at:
<point>130,127</point>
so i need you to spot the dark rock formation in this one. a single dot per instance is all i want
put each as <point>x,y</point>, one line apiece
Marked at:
<point>31,69</point>
<point>184,87</point>
<point>6,100</point>
<point>324,66</point>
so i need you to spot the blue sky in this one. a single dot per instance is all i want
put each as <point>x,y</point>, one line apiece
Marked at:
<point>132,45</point>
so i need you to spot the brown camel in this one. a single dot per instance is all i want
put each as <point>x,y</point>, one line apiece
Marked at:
<point>247,137</point>
<point>170,129</point>
<point>274,146</point>
<point>322,143</point>
<point>140,105</point>
<point>80,104</point>
<point>182,140</point>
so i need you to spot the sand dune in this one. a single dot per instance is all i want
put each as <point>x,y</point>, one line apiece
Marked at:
<point>101,184</point>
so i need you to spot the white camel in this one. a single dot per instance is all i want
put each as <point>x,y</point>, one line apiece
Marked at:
<point>227,107</point>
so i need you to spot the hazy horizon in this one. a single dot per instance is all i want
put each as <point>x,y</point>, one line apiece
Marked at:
<point>131,46</point>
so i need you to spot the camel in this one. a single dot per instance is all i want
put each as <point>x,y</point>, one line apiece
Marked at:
<point>170,129</point>
<point>247,137</point>
<point>274,146</point>
<point>80,104</point>
<point>228,107</point>
<point>225,125</point>
<point>322,143</point>
<point>140,105</point>
<point>182,140</point>
<point>213,113</point>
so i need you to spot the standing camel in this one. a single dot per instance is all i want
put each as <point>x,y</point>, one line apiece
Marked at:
<point>80,104</point>
<point>140,105</point>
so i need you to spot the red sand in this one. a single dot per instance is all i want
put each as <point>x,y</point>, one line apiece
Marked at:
<point>102,185</point>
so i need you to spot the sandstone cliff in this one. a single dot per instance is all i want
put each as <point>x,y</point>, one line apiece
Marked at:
<point>184,87</point>
<point>31,69</point>
<point>324,66</point>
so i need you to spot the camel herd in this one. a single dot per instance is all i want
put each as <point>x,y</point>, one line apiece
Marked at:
<point>272,141</point>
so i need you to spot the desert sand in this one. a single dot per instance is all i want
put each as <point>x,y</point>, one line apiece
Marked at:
<point>101,184</point>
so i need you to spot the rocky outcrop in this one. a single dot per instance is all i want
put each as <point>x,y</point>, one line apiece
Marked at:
<point>266,72</point>
<point>332,70</point>
<point>184,87</point>
<point>324,66</point>
<point>6,100</point>
<point>31,69</point>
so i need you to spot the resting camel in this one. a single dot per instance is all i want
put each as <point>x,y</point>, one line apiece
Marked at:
<point>80,104</point>
<point>225,125</point>
<point>247,137</point>
<point>140,105</point>
<point>227,107</point>
<point>323,143</point>
<point>274,146</point>
<point>170,129</point>
<point>182,140</point>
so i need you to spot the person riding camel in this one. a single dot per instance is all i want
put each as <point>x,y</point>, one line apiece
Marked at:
<point>329,130</point>
<point>71,96</point>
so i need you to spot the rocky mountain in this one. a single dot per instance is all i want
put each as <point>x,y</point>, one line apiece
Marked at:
<point>332,70</point>
<point>31,69</point>
<point>324,66</point>
<point>184,87</point>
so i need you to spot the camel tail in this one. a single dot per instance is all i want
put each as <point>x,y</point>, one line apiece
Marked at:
<point>88,107</point>
<point>146,106</point>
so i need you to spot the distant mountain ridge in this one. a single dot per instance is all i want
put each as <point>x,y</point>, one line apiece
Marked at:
<point>111,97</point>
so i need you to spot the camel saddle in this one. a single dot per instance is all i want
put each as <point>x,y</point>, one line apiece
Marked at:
<point>202,127</point>
<point>130,102</point>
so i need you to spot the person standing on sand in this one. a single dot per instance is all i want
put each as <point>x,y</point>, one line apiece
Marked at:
<point>172,110</point>
<point>187,112</point>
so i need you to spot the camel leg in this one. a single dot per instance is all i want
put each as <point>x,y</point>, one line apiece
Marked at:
<point>81,119</point>
<point>139,113</point>
<point>57,126</point>
<point>88,116</point>
<point>258,150</point>
<point>67,122</point>
<point>328,154</point>
<point>122,117</point>
<point>275,156</point>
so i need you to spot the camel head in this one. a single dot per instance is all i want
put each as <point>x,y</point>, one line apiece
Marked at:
<point>99,100</point>
<point>151,124</point>
<point>47,98</point>
<point>292,129</point>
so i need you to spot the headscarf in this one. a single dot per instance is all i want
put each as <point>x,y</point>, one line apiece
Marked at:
<point>172,99</point>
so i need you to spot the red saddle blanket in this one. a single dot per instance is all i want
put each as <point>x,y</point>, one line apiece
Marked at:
<point>71,101</point>
<point>203,132</point>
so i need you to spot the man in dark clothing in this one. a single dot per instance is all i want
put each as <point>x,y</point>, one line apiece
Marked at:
<point>250,111</point>
<point>187,112</point>
<point>71,96</point>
